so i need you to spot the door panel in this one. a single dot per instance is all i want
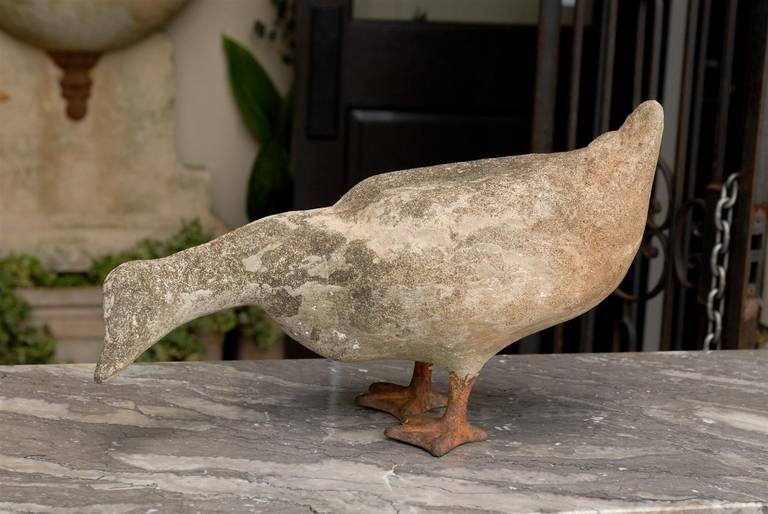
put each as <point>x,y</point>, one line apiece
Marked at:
<point>375,96</point>
<point>381,141</point>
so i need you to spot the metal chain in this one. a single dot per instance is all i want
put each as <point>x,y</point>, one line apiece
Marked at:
<point>718,261</point>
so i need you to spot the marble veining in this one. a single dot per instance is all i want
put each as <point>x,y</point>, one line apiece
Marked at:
<point>568,433</point>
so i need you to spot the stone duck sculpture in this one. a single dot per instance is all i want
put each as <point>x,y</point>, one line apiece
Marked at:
<point>443,265</point>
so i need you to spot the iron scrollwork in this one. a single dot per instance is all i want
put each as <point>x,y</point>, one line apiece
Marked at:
<point>655,242</point>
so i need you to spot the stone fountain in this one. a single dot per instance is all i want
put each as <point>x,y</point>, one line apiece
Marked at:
<point>87,145</point>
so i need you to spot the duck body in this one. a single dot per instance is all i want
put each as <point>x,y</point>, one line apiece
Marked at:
<point>446,264</point>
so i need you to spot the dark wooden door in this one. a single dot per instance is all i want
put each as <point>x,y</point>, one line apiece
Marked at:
<point>376,96</point>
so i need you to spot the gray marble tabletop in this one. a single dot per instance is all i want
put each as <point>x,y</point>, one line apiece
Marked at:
<point>608,433</point>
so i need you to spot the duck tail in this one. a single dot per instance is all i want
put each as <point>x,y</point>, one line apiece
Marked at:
<point>640,132</point>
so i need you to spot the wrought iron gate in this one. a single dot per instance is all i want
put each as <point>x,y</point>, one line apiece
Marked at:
<point>363,87</point>
<point>721,129</point>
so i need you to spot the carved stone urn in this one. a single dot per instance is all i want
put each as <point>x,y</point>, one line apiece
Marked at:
<point>75,34</point>
<point>72,191</point>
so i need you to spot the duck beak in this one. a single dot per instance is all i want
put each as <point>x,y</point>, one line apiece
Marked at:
<point>103,372</point>
<point>113,359</point>
<point>107,367</point>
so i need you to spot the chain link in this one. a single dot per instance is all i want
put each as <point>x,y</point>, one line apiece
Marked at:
<point>718,261</point>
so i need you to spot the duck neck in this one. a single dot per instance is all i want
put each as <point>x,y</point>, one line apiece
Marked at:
<point>208,278</point>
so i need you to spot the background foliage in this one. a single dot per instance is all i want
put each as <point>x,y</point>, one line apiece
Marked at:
<point>266,114</point>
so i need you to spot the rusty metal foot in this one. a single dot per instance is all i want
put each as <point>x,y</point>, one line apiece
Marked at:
<point>440,435</point>
<point>403,401</point>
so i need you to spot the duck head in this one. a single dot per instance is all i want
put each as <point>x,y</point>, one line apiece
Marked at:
<point>145,300</point>
<point>132,319</point>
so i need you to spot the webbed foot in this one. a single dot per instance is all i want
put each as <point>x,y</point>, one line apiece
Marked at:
<point>440,435</point>
<point>403,401</point>
<point>400,401</point>
<point>436,435</point>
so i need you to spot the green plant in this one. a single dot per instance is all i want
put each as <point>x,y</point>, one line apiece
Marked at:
<point>20,342</point>
<point>282,29</point>
<point>23,343</point>
<point>268,116</point>
<point>181,344</point>
<point>254,324</point>
<point>191,234</point>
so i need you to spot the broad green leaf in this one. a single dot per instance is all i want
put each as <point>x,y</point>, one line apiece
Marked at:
<point>254,92</point>
<point>269,188</point>
<point>284,121</point>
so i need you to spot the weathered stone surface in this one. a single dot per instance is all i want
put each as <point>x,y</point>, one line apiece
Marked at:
<point>446,264</point>
<point>622,433</point>
<point>71,191</point>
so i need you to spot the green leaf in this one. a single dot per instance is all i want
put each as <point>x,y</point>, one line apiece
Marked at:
<point>255,325</point>
<point>191,234</point>
<point>219,322</point>
<point>269,188</point>
<point>284,121</point>
<point>256,95</point>
<point>26,271</point>
<point>181,344</point>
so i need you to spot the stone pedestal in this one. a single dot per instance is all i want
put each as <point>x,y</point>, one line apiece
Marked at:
<point>74,190</point>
